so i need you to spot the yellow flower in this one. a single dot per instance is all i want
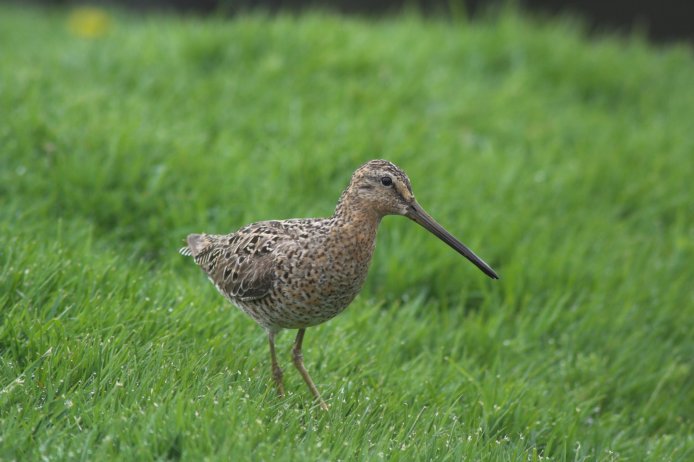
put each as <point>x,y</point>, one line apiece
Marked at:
<point>89,22</point>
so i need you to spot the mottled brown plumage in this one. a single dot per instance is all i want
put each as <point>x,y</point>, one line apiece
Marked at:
<point>294,274</point>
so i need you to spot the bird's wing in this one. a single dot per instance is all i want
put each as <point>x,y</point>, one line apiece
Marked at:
<point>242,265</point>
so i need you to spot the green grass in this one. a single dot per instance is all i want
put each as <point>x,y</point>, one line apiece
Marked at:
<point>564,161</point>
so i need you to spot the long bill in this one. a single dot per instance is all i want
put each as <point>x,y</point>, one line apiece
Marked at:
<point>417,214</point>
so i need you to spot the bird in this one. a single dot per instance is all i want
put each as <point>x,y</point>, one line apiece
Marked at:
<point>298,273</point>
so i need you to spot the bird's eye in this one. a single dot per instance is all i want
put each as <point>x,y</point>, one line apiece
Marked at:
<point>386,181</point>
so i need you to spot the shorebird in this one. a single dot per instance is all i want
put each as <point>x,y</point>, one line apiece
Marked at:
<point>294,274</point>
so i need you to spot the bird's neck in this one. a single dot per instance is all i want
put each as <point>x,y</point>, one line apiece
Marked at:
<point>356,223</point>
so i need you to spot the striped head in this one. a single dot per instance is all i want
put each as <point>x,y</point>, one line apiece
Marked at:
<point>383,186</point>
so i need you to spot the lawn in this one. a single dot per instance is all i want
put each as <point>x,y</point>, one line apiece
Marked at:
<point>564,160</point>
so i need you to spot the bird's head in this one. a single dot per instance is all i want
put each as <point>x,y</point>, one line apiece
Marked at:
<point>385,188</point>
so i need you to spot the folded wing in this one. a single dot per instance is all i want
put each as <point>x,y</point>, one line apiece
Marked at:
<point>242,265</point>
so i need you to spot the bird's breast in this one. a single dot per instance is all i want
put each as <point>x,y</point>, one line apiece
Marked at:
<point>322,279</point>
<point>343,271</point>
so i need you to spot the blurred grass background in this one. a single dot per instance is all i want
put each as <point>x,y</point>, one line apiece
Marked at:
<point>564,161</point>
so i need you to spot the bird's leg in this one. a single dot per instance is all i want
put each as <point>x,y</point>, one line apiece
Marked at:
<point>299,363</point>
<point>276,369</point>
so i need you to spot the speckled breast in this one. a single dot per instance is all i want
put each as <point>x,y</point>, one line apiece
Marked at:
<point>314,284</point>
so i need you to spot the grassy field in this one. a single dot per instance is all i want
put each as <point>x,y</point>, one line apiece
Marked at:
<point>565,161</point>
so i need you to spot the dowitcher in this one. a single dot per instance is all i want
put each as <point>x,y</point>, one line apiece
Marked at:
<point>294,274</point>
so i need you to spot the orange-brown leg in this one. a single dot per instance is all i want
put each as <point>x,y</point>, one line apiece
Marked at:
<point>298,358</point>
<point>276,369</point>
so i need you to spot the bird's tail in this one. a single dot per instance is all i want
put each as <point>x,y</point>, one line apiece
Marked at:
<point>197,244</point>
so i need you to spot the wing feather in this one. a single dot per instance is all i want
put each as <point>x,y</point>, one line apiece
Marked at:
<point>242,265</point>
